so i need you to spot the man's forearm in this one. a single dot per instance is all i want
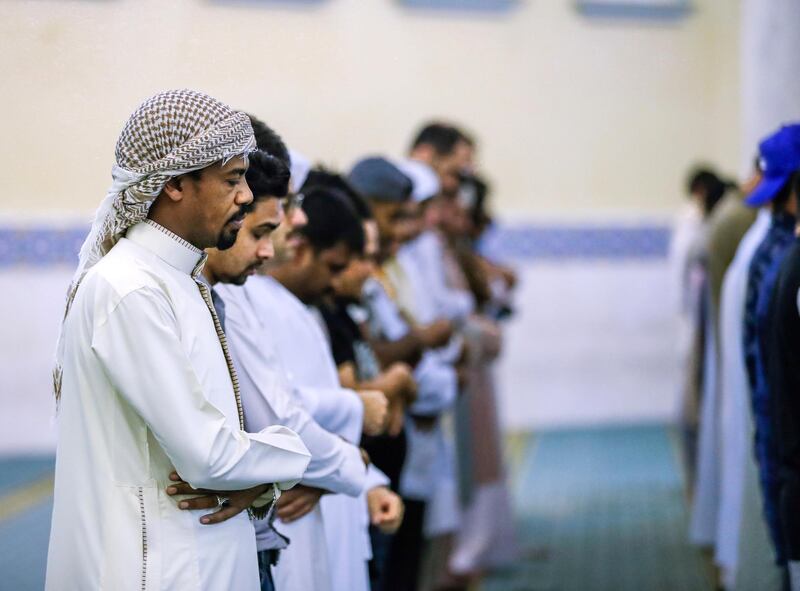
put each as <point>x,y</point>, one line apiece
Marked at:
<point>407,349</point>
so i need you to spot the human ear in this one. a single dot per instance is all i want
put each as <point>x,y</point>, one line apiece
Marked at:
<point>303,253</point>
<point>174,189</point>
<point>426,153</point>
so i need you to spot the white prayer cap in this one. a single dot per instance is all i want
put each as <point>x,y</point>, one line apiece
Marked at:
<point>301,166</point>
<point>423,178</point>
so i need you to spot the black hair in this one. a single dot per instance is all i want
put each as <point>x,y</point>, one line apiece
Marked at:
<point>781,198</point>
<point>269,141</point>
<point>479,190</point>
<point>331,220</point>
<point>795,182</point>
<point>441,137</point>
<point>267,176</point>
<point>709,185</point>
<point>789,192</point>
<point>326,179</point>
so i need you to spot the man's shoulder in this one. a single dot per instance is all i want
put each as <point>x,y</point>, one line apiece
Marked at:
<point>124,270</point>
<point>238,303</point>
<point>264,288</point>
<point>252,300</point>
<point>731,216</point>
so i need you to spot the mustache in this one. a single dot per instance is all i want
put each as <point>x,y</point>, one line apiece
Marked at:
<point>238,216</point>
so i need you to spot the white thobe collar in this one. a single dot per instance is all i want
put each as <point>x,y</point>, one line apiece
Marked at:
<point>168,246</point>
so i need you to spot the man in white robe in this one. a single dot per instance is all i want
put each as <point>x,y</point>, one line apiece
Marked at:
<point>735,413</point>
<point>279,303</point>
<point>427,481</point>
<point>728,223</point>
<point>336,465</point>
<point>145,380</point>
<point>485,535</point>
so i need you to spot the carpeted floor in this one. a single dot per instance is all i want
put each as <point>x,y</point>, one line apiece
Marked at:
<point>597,509</point>
<point>602,509</point>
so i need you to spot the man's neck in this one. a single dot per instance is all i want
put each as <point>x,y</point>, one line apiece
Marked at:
<point>421,155</point>
<point>160,215</point>
<point>791,206</point>
<point>209,276</point>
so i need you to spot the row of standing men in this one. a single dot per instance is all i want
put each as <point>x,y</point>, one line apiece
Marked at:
<point>739,262</point>
<point>358,322</point>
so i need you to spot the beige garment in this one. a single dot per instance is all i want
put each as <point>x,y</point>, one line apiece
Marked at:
<point>727,224</point>
<point>486,536</point>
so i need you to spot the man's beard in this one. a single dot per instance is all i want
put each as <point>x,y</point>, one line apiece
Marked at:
<point>239,280</point>
<point>227,238</point>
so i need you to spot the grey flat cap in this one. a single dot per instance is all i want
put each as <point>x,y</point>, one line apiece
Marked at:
<point>378,179</point>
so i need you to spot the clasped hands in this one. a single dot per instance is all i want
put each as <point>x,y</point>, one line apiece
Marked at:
<point>292,504</point>
<point>385,507</point>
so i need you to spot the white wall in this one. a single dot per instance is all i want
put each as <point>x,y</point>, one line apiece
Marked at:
<point>33,304</point>
<point>770,59</point>
<point>594,342</point>
<point>575,116</point>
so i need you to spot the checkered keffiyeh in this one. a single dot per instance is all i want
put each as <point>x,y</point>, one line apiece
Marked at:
<point>170,134</point>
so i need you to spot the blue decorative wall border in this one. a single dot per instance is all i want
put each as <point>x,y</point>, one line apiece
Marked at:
<point>456,5</point>
<point>40,246</point>
<point>635,9</point>
<point>580,242</point>
<point>32,246</point>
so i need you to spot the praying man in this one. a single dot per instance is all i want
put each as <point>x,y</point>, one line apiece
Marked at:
<point>146,386</point>
<point>336,466</point>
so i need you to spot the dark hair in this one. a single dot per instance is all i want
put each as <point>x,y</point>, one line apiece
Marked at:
<point>268,176</point>
<point>441,137</point>
<point>331,220</point>
<point>781,198</point>
<point>795,182</point>
<point>477,190</point>
<point>326,179</point>
<point>269,141</point>
<point>709,185</point>
<point>792,189</point>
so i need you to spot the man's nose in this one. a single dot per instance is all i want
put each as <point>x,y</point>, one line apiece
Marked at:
<point>265,250</point>
<point>299,218</point>
<point>244,196</point>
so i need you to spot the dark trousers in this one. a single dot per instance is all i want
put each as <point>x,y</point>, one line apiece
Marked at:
<point>790,515</point>
<point>403,562</point>
<point>266,560</point>
<point>381,545</point>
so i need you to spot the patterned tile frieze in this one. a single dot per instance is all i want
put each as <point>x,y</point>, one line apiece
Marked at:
<point>40,246</point>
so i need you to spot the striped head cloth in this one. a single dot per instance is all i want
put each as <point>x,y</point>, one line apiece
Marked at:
<point>170,134</point>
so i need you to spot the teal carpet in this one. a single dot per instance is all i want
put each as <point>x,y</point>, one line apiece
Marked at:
<point>597,509</point>
<point>602,509</point>
<point>24,535</point>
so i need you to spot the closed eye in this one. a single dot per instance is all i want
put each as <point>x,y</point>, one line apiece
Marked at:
<point>265,229</point>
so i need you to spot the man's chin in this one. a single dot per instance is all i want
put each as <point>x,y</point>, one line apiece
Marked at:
<point>241,278</point>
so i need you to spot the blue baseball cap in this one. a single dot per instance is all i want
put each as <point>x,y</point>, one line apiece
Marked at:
<point>779,158</point>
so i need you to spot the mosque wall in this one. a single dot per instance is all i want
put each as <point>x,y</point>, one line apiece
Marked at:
<point>576,115</point>
<point>592,341</point>
<point>586,129</point>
